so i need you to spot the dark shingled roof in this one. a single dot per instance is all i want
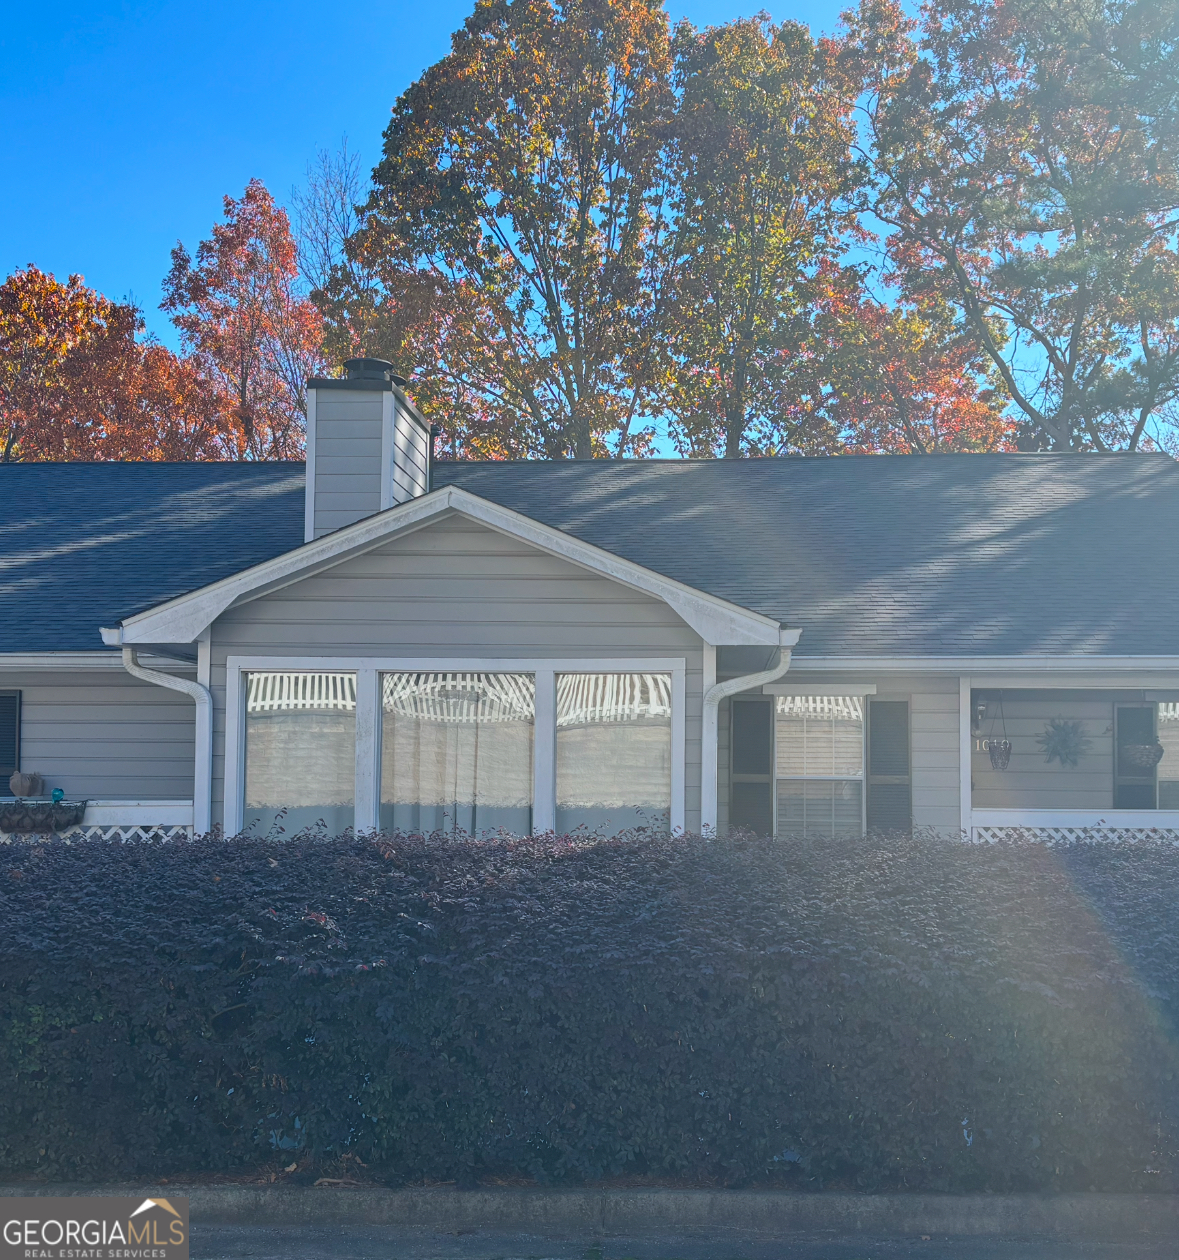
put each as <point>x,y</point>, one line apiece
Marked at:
<point>891,555</point>
<point>85,545</point>
<point>882,555</point>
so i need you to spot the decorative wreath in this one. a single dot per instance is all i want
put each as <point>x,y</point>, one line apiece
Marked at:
<point>1064,740</point>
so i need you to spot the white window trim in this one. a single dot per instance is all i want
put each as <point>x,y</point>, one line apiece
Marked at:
<point>368,671</point>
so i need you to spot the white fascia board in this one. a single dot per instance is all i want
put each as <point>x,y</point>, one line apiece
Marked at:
<point>983,664</point>
<point>83,660</point>
<point>182,619</point>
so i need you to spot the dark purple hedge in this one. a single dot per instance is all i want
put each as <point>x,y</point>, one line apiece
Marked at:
<point>882,1013</point>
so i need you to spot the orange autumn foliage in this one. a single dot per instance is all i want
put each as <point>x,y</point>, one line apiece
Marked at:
<point>76,383</point>
<point>903,379</point>
<point>245,325</point>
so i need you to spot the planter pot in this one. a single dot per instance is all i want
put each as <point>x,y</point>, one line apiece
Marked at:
<point>1000,750</point>
<point>40,817</point>
<point>1142,756</point>
<point>26,783</point>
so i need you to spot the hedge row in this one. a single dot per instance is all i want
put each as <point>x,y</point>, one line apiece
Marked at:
<point>886,1013</point>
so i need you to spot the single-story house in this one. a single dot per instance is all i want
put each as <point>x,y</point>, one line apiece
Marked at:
<point>969,643</point>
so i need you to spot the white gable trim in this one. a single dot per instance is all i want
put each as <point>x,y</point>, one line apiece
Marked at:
<point>181,620</point>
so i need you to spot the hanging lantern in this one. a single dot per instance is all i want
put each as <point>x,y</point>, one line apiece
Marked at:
<point>999,749</point>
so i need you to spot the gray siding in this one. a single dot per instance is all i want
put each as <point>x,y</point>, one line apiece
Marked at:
<point>103,735</point>
<point>933,738</point>
<point>459,589</point>
<point>411,453</point>
<point>347,457</point>
<point>350,454</point>
<point>1030,782</point>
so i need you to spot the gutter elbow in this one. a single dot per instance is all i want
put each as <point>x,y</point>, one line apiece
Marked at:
<point>731,686</point>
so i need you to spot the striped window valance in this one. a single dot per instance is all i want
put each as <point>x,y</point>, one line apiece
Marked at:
<point>582,699</point>
<point>273,691</point>
<point>585,699</point>
<point>843,708</point>
<point>460,698</point>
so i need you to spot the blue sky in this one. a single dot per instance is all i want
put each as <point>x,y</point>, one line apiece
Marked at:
<point>127,123</point>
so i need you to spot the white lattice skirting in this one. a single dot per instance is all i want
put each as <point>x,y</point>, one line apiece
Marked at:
<point>122,831</point>
<point>1074,835</point>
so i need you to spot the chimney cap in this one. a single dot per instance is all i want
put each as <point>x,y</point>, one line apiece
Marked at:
<point>371,370</point>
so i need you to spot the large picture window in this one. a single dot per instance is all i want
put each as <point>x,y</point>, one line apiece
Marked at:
<point>300,752</point>
<point>820,765</point>
<point>456,752</point>
<point>613,751</point>
<point>461,745</point>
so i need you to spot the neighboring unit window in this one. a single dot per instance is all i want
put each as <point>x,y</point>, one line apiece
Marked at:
<point>820,765</point>
<point>613,751</point>
<point>751,791</point>
<point>300,750</point>
<point>9,737</point>
<point>890,792</point>
<point>456,752</point>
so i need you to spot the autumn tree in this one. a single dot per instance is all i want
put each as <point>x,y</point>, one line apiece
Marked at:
<point>328,216</point>
<point>77,382</point>
<point>405,320</point>
<point>764,195</point>
<point>1027,158</point>
<point>900,377</point>
<point>41,322</point>
<point>521,184</point>
<point>246,325</point>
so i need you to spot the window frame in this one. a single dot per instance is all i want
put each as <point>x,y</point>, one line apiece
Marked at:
<point>368,672</point>
<point>856,691</point>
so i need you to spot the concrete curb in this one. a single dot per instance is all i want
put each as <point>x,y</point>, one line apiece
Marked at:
<point>606,1213</point>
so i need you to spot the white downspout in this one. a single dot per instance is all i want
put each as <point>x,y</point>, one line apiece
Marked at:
<point>202,786</point>
<point>712,698</point>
